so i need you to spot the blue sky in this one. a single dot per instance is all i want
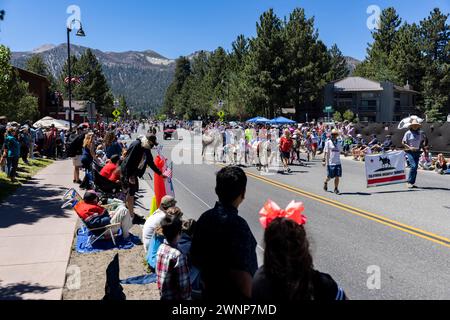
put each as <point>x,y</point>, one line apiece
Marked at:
<point>180,27</point>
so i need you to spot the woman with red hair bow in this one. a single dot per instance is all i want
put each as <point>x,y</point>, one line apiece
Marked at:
<point>288,273</point>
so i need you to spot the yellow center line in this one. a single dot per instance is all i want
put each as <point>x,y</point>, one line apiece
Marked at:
<point>359,212</point>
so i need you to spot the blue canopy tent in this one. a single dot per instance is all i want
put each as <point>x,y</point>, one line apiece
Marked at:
<point>282,120</point>
<point>258,120</point>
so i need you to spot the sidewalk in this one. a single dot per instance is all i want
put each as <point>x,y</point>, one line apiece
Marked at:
<point>36,236</point>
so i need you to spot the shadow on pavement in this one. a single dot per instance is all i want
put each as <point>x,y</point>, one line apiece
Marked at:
<point>433,188</point>
<point>398,191</point>
<point>32,202</point>
<point>355,194</point>
<point>16,291</point>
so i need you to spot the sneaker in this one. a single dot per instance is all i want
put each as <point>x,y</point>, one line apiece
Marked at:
<point>289,170</point>
<point>138,220</point>
<point>336,191</point>
<point>325,187</point>
<point>411,186</point>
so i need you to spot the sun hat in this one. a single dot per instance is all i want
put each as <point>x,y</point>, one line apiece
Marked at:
<point>415,122</point>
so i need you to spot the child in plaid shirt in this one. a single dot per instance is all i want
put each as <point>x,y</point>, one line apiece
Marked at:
<point>171,265</point>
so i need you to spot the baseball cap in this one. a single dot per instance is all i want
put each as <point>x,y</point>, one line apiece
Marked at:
<point>152,138</point>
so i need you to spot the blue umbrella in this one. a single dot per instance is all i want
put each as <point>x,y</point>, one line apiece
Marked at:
<point>258,120</point>
<point>282,120</point>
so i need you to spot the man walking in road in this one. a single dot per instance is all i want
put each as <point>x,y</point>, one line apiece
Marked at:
<point>286,145</point>
<point>332,159</point>
<point>413,141</point>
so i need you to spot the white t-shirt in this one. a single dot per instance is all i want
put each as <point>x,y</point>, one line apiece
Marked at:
<point>334,151</point>
<point>413,139</point>
<point>148,231</point>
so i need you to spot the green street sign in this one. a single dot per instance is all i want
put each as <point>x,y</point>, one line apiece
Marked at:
<point>328,109</point>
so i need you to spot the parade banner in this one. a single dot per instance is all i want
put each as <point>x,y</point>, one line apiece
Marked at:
<point>385,169</point>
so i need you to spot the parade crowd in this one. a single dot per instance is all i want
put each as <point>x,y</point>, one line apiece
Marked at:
<point>214,258</point>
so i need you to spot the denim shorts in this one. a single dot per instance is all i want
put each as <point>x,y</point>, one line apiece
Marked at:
<point>335,171</point>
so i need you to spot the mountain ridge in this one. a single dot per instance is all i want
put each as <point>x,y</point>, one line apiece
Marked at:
<point>141,76</point>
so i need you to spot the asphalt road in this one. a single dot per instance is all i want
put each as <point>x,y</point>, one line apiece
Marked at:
<point>402,233</point>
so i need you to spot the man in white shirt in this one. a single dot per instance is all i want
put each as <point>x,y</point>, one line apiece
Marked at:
<point>413,142</point>
<point>332,159</point>
<point>148,231</point>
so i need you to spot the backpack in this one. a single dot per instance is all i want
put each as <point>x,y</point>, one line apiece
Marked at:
<point>73,145</point>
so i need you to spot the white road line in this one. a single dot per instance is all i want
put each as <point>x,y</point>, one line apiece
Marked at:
<point>208,206</point>
<point>191,192</point>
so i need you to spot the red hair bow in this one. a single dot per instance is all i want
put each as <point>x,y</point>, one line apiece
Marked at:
<point>271,211</point>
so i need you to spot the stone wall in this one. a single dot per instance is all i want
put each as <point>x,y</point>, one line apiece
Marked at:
<point>438,134</point>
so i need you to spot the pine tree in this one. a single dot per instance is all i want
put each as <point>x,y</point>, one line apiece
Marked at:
<point>123,106</point>
<point>338,64</point>
<point>216,77</point>
<point>265,69</point>
<point>94,87</point>
<point>435,35</point>
<point>307,63</point>
<point>182,72</point>
<point>378,54</point>
<point>37,65</point>
<point>406,57</point>
<point>239,53</point>
<point>200,95</point>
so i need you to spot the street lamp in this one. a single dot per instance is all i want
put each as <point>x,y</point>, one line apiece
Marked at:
<point>80,33</point>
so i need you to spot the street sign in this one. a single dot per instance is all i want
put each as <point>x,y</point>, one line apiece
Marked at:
<point>116,113</point>
<point>221,115</point>
<point>328,109</point>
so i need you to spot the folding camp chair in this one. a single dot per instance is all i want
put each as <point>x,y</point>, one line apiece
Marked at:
<point>104,185</point>
<point>74,198</point>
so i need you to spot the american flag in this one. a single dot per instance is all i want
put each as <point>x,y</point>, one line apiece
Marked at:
<point>169,171</point>
<point>76,80</point>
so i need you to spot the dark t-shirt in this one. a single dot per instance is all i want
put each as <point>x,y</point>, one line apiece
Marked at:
<point>75,144</point>
<point>324,289</point>
<point>223,242</point>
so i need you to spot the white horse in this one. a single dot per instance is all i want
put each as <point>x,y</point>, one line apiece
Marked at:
<point>212,144</point>
<point>264,152</point>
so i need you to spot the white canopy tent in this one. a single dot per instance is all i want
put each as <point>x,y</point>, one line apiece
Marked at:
<point>47,122</point>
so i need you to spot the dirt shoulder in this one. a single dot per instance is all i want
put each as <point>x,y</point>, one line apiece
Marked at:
<point>93,273</point>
